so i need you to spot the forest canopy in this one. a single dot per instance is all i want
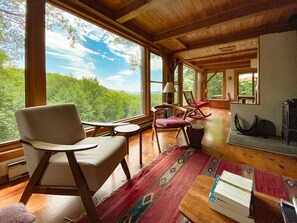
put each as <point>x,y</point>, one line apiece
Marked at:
<point>94,101</point>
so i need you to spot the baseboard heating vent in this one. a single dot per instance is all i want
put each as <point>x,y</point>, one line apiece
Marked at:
<point>17,169</point>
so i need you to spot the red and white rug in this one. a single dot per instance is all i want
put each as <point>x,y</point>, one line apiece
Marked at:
<point>154,194</point>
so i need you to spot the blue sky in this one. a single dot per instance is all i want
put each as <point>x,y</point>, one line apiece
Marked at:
<point>95,55</point>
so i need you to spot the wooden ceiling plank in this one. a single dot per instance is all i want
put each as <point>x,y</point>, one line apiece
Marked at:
<point>102,9</point>
<point>224,17</point>
<point>240,36</point>
<point>134,8</point>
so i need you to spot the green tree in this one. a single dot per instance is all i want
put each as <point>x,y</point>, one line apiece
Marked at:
<point>188,79</point>
<point>12,98</point>
<point>215,85</point>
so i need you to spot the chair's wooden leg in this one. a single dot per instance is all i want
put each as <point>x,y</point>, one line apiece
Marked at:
<point>158,142</point>
<point>35,178</point>
<point>125,168</point>
<point>140,147</point>
<point>178,131</point>
<point>186,137</point>
<point>83,188</point>
<point>153,132</point>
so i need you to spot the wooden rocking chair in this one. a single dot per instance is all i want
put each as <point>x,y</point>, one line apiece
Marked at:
<point>194,106</point>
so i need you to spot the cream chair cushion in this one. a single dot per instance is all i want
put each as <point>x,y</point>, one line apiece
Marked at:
<point>97,164</point>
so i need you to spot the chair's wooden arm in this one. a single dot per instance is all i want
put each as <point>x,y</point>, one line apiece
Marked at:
<point>50,147</point>
<point>105,124</point>
<point>171,106</point>
<point>109,125</point>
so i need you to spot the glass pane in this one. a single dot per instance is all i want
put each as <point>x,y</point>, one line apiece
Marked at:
<point>12,73</point>
<point>176,94</point>
<point>176,80</point>
<point>97,70</point>
<point>188,80</point>
<point>215,85</point>
<point>156,94</point>
<point>156,68</point>
<point>245,84</point>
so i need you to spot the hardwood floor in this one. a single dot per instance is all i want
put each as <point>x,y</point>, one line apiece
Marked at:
<point>51,208</point>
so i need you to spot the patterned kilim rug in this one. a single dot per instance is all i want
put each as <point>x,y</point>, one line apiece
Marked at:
<point>155,193</point>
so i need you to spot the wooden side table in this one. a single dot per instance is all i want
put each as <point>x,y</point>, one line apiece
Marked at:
<point>195,134</point>
<point>195,205</point>
<point>127,131</point>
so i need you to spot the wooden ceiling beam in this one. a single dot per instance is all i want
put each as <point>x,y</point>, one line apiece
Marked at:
<point>243,61</point>
<point>223,55</point>
<point>224,17</point>
<point>223,67</point>
<point>239,36</point>
<point>134,8</point>
<point>102,16</point>
<point>228,59</point>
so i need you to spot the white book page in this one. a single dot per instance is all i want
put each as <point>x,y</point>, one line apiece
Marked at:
<point>237,180</point>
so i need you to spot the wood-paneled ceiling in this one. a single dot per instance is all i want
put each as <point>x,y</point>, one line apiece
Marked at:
<point>209,34</point>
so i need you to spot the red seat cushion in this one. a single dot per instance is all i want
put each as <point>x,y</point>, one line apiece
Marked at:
<point>172,122</point>
<point>200,104</point>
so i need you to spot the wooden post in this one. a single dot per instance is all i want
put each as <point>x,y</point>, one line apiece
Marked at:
<point>180,78</point>
<point>35,74</point>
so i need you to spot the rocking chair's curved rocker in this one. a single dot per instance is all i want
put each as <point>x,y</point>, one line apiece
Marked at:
<point>168,117</point>
<point>61,160</point>
<point>194,106</point>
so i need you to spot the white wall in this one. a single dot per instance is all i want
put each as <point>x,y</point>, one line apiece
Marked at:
<point>230,83</point>
<point>278,79</point>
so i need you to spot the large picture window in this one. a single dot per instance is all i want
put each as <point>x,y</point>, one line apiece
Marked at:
<point>12,73</point>
<point>97,70</point>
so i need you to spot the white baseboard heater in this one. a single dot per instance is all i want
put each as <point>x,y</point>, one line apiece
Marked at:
<point>17,169</point>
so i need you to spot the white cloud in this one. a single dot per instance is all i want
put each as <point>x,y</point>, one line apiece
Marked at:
<point>121,50</point>
<point>125,72</point>
<point>156,63</point>
<point>72,58</point>
<point>106,57</point>
<point>94,37</point>
<point>76,59</point>
<point>116,78</point>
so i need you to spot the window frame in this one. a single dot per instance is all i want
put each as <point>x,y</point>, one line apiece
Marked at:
<point>236,83</point>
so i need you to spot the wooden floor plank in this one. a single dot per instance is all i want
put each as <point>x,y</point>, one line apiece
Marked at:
<point>51,208</point>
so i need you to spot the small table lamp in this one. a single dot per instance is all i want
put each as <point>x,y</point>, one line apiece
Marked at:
<point>169,89</point>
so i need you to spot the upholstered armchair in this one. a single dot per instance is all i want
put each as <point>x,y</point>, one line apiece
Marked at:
<point>61,159</point>
<point>168,117</point>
